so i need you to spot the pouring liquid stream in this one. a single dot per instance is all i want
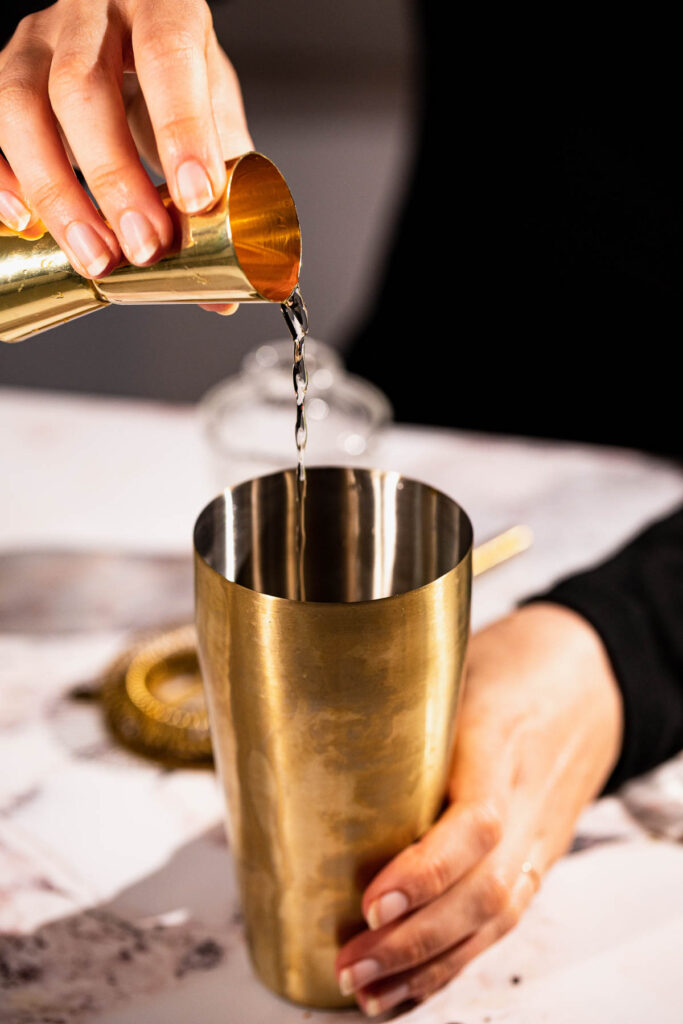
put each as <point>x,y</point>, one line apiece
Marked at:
<point>296,318</point>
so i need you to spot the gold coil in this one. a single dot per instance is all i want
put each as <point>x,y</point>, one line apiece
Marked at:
<point>154,702</point>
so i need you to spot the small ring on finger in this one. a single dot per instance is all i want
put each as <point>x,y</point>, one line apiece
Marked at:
<point>530,871</point>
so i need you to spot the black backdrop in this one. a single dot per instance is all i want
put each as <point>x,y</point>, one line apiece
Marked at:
<point>534,283</point>
<point>533,286</point>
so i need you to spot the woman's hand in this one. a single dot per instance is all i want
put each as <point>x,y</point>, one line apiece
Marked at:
<point>538,733</point>
<point>97,82</point>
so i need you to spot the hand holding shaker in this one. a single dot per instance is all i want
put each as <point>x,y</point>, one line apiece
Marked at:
<point>247,248</point>
<point>332,718</point>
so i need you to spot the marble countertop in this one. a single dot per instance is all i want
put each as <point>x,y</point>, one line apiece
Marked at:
<point>117,901</point>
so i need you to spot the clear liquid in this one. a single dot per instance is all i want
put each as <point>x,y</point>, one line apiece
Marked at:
<point>296,317</point>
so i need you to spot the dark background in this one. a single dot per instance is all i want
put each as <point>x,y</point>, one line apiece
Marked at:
<point>534,282</point>
<point>531,285</point>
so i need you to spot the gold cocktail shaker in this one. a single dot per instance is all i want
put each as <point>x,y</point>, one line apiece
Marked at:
<point>332,718</point>
<point>247,248</point>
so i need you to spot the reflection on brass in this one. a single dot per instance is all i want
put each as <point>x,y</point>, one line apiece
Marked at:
<point>154,702</point>
<point>175,696</point>
<point>332,719</point>
<point>154,691</point>
<point>246,249</point>
<point>500,548</point>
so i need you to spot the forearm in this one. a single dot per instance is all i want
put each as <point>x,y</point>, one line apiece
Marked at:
<point>634,601</point>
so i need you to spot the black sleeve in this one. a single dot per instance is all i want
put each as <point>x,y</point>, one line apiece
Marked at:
<point>635,602</point>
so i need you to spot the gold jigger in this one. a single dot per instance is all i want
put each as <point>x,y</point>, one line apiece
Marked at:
<point>246,249</point>
<point>332,719</point>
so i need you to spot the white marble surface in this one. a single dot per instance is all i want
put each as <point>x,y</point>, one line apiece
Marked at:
<point>117,903</point>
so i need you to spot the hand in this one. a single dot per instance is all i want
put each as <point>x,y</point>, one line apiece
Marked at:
<point>538,733</point>
<point>99,82</point>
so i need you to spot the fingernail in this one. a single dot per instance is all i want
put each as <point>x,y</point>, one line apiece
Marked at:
<point>194,186</point>
<point>140,238</point>
<point>387,908</point>
<point>88,247</point>
<point>15,214</point>
<point>357,975</point>
<point>392,997</point>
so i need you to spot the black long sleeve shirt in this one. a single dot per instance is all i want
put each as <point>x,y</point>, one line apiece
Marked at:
<point>635,602</point>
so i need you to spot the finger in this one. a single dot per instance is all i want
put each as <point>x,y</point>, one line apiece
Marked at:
<point>85,91</point>
<point>426,933</point>
<point>139,122</point>
<point>426,979</point>
<point>422,872</point>
<point>169,44</point>
<point>30,141</point>
<point>489,891</point>
<point>224,308</point>
<point>231,124</point>
<point>226,99</point>
<point>14,210</point>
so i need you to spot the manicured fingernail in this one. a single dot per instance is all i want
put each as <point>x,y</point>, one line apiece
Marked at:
<point>392,997</point>
<point>15,215</point>
<point>88,247</point>
<point>140,238</point>
<point>194,186</point>
<point>357,975</point>
<point>387,908</point>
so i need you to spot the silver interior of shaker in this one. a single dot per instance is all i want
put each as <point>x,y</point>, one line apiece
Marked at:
<point>369,534</point>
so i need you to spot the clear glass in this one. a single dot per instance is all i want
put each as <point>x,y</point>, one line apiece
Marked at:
<point>251,416</point>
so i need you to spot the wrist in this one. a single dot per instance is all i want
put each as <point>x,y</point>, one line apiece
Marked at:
<point>552,661</point>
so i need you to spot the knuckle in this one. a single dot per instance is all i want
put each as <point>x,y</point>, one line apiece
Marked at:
<point>169,47</point>
<point>488,826</point>
<point>433,977</point>
<point>180,125</point>
<point>106,178</point>
<point>46,195</point>
<point>27,26</point>
<point>26,39</point>
<point>436,874</point>
<point>75,76</point>
<point>421,946</point>
<point>494,895</point>
<point>18,94</point>
<point>430,872</point>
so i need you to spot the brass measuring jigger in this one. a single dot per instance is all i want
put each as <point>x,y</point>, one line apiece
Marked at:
<point>247,248</point>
